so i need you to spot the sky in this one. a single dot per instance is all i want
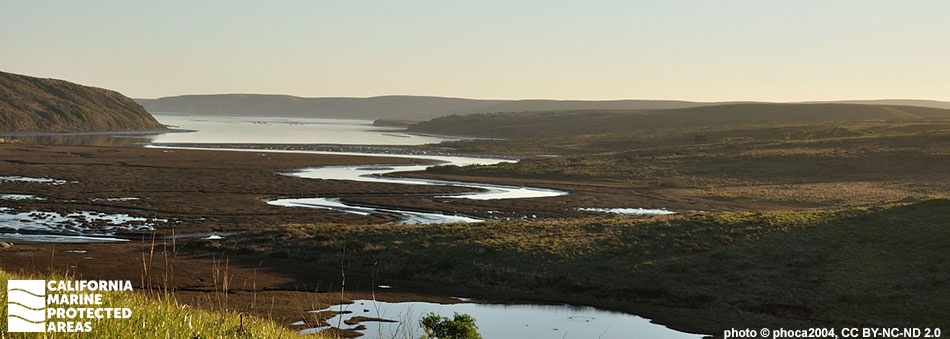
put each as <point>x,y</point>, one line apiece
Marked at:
<point>688,50</point>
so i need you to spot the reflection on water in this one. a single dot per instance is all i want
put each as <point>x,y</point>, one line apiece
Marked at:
<point>501,321</point>
<point>250,130</point>
<point>377,174</point>
<point>20,197</point>
<point>630,211</point>
<point>50,181</point>
<point>200,129</point>
<point>405,217</point>
<point>81,139</point>
<point>83,226</point>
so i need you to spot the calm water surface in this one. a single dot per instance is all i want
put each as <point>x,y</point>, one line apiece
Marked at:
<point>249,130</point>
<point>503,321</point>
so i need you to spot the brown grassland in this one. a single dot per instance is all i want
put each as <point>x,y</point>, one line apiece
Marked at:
<point>809,165</point>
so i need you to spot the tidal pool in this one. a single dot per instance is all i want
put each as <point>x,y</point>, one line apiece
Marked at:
<point>406,217</point>
<point>50,181</point>
<point>20,197</point>
<point>500,321</point>
<point>630,211</point>
<point>116,199</point>
<point>80,226</point>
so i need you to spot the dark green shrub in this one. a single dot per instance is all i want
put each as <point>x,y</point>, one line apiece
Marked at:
<point>461,326</point>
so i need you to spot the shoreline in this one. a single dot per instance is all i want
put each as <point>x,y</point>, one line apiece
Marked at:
<point>137,132</point>
<point>284,281</point>
<point>381,150</point>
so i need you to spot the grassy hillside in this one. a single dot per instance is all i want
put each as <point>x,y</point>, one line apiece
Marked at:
<point>29,104</point>
<point>564,105</point>
<point>901,102</point>
<point>878,266</point>
<point>563,123</point>
<point>813,164</point>
<point>158,318</point>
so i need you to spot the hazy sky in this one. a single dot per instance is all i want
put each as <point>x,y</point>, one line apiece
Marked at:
<point>691,50</point>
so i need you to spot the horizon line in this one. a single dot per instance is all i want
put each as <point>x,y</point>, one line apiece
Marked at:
<point>538,99</point>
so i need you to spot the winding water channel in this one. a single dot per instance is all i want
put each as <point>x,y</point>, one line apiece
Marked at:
<point>341,131</point>
<point>377,173</point>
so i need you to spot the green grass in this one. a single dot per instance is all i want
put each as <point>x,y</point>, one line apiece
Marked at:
<point>160,317</point>
<point>880,266</point>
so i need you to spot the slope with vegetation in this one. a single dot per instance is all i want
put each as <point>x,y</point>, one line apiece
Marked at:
<point>29,104</point>
<point>562,123</point>
<point>876,266</point>
<point>804,165</point>
<point>901,102</point>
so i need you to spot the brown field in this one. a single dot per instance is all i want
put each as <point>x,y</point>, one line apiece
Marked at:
<point>803,165</point>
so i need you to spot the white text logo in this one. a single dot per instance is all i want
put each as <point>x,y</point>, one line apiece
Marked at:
<point>61,305</point>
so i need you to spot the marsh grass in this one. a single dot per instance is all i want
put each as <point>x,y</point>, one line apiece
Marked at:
<point>157,312</point>
<point>818,164</point>
<point>878,265</point>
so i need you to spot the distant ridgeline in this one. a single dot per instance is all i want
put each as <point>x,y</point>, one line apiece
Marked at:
<point>575,122</point>
<point>29,104</point>
<point>391,107</point>
<point>401,110</point>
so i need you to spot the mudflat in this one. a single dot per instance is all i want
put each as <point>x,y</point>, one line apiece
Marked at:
<point>195,190</point>
<point>200,191</point>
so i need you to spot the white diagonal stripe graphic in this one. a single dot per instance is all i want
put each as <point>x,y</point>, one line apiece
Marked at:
<point>25,313</point>
<point>20,325</point>
<point>37,287</point>
<point>25,299</point>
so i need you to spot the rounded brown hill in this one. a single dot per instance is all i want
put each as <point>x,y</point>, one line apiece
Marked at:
<point>29,104</point>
